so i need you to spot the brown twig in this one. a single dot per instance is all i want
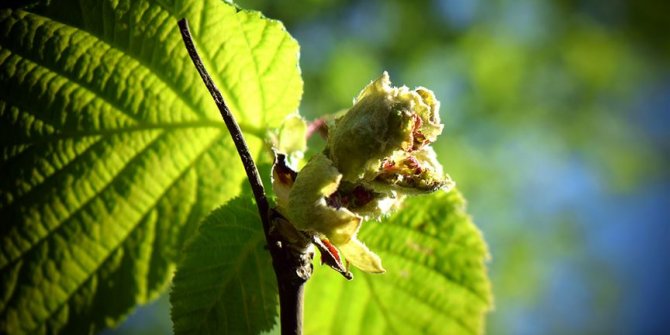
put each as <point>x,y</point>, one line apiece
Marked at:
<point>292,266</point>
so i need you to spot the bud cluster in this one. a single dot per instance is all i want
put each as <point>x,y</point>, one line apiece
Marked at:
<point>376,154</point>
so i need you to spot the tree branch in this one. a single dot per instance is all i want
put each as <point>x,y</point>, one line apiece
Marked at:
<point>292,266</point>
<point>233,127</point>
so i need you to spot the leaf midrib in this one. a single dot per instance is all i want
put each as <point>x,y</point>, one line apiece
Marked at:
<point>206,123</point>
<point>141,61</point>
<point>141,125</point>
<point>51,230</point>
<point>203,124</point>
<point>258,132</point>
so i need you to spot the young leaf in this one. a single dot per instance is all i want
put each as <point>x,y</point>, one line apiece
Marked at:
<point>435,283</point>
<point>113,151</point>
<point>225,283</point>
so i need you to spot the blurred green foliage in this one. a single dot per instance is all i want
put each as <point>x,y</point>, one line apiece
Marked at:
<point>542,105</point>
<point>556,132</point>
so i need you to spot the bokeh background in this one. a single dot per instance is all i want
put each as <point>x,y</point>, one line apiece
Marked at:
<point>557,131</point>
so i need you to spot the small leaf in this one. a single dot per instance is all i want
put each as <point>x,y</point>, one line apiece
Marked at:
<point>112,150</point>
<point>435,283</point>
<point>291,136</point>
<point>225,283</point>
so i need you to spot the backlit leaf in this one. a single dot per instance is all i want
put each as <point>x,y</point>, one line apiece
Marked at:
<point>225,283</point>
<point>113,151</point>
<point>435,280</point>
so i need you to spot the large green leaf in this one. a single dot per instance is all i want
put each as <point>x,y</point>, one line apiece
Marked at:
<point>435,283</point>
<point>113,151</point>
<point>225,283</point>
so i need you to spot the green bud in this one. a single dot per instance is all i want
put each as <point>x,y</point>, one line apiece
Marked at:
<point>382,141</point>
<point>377,153</point>
<point>309,210</point>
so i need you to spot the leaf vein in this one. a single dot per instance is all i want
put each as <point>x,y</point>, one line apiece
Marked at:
<point>120,244</point>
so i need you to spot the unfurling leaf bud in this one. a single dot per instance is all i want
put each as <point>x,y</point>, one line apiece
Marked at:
<point>377,153</point>
<point>382,141</point>
<point>309,210</point>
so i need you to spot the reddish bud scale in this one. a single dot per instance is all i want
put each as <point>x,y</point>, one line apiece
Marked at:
<point>411,162</point>
<point>317,126</point>
<point>388,165</point>
<point>362,196</point>
<point>333,251</point>
<point>285,174</point>
<point>337,200</point>
<point>358,197</point>
<point>419,141</point>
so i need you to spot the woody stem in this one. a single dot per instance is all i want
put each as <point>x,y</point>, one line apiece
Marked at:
<point>291,269</point>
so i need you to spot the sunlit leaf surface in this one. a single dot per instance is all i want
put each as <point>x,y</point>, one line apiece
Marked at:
<point>436,280</point>
<point>113,151</point>
<point>225,283</point>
